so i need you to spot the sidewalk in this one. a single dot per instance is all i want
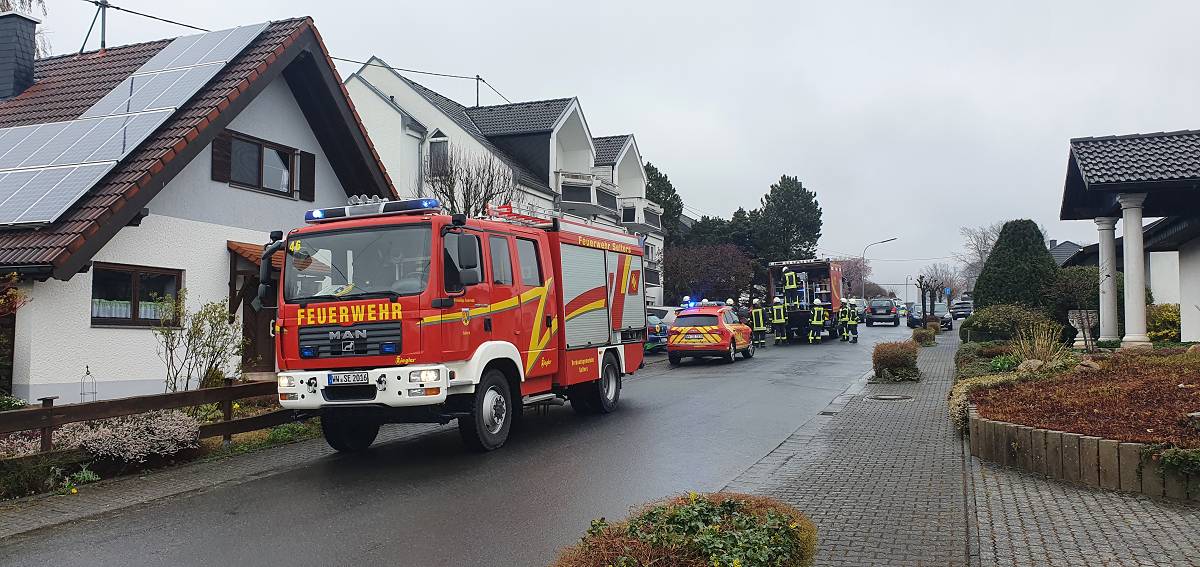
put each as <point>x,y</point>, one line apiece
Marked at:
<point>36,512</point>
<point>889,483</point>
<point>883,480</point>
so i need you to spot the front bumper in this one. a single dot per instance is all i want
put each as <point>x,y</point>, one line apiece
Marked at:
<point>393,388</point>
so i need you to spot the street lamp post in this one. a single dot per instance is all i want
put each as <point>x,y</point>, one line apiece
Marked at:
<point>906,284</point>
<point>863,270</point>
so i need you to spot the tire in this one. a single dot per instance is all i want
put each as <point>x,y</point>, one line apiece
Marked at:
<point>348,435</point>
<point>869,323</point>
<point>896,323</point>
<point>599,396</point>
<point>492,413</point>
<point>674,359</point>
<point>749,352</point>
<point>732,354</point>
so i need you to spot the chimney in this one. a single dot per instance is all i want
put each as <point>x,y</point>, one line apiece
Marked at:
<point>17,52</point>
<point>1053,243</point>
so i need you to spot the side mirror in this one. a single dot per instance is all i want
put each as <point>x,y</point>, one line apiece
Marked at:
<point>468,252</point>
<point>264,270</point>
<point>276,235</point>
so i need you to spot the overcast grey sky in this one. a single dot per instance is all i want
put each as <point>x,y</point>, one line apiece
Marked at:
<point>908,119</point>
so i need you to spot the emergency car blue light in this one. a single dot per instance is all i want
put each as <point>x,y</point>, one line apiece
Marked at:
<point>387,348</point>
<point>372,208</point>
<point>308,351</point>
<point>318,214</point>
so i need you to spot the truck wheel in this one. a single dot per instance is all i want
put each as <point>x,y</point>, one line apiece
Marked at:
<point>600,396</point>
<point>347,435</point>
<point>491,414</point>
<point>732,354</point>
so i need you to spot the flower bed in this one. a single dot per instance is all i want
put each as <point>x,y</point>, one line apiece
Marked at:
<point>1130,398</point>
<point>724,529</point>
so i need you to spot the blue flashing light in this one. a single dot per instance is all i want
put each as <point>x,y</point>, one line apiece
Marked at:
<point>387,348</point>
<point>308,351</point>
<point>372,209</point>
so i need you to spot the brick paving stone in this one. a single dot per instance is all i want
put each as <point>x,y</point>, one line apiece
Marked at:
<point>883,481</point>
<point>36,512</point>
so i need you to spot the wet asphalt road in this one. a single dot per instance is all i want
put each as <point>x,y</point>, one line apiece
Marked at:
<point>426,502</point>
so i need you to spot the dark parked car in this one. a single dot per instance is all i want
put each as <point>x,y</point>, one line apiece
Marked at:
<point>882,311</point>
<point>962,309</point>
<point>917,319</point>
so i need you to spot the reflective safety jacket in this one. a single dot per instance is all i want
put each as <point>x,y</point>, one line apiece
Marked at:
<point>789,280</point>
<point>848,314</point>
<point>819,315</point>
<point>778,314</point>
<point>758,319</point>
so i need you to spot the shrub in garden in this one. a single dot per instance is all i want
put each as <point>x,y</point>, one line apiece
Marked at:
<point>1019,269</point>
<point>721,529</point>
<point>1004,363</point>
<point>1040,341</point>
<point>896,361</point>
<point>960,394</point>
<point>10,403</point>
<point>998,323</point>
<point>924,337</point>
<point>135,438</point>
<point>1163,323</point>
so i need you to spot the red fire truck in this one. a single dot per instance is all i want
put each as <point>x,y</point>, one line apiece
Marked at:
<point>390,312</point>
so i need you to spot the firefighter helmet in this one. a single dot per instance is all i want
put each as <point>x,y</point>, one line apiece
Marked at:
<point>757,301</point>
<point>729,301</point>
<point>817,302</point>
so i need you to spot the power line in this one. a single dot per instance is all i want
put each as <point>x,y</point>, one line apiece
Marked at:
<point>101,4</point>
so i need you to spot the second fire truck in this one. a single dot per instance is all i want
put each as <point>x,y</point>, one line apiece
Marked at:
<point>389,311</point>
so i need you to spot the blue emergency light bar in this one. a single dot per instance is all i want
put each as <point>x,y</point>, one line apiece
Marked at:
<point>372,208</point>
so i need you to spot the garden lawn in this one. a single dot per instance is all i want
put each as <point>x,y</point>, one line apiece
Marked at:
<point>1132,397</point>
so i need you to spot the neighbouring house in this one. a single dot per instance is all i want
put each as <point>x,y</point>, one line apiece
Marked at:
<point>556,163</point>
<point>1127,178</point>
<point>138,171</point>
<point>1162,268</point>
<point>1061,251</point>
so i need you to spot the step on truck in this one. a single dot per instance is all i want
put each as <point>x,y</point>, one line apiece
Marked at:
<point>392,312</point>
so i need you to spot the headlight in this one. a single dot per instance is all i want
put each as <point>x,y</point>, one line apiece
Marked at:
<point>430,375</point>
<point>287,381</point>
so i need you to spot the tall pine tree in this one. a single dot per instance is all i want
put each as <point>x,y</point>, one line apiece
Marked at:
<point>660,190</point>
<point>789,223</point>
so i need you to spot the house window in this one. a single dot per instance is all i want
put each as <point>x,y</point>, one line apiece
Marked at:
<point>132,295</point>
<point>261,165</point>
<point>439,157</point>
<point>628,214</point>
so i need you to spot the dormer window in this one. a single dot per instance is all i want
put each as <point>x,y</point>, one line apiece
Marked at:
<point>439,154</point>
<point>628,214</point>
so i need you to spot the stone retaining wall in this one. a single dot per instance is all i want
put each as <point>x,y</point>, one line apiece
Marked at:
<point>1095,462</point>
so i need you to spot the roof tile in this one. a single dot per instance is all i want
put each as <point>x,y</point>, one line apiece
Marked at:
<point>1163,156</point>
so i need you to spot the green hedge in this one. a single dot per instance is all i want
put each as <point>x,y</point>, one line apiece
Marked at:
<point>999,323</point>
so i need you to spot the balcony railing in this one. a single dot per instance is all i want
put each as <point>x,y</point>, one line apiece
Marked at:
<point>640,214</point>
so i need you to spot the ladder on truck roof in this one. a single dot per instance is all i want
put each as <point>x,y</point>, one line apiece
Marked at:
<point>507,214</point>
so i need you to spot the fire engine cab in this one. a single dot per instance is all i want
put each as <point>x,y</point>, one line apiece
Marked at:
<point>390,312</point>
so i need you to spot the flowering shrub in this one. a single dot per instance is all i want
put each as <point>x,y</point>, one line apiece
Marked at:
<point>129,439</point>
<point>1163,322</point>
<point>722,529</point>
<point>894,362</point>
<point>134,438</point>
<point>10,403</point>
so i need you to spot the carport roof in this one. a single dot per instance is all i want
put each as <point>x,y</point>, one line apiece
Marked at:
<point>1164,165</point>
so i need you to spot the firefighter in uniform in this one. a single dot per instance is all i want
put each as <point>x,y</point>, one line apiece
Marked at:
<point>791,289</point>
<point>758,324</point>
<point>816,325</point>
<point>848,321</point>
<point>779,321</point>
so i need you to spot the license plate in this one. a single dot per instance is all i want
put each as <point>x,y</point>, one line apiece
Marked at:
<point>341,378</point>
<point>692,337</point>
<point>880,311</point>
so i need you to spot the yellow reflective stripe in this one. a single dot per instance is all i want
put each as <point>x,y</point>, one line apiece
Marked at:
<point>593,306</point>
<point>537,339</point>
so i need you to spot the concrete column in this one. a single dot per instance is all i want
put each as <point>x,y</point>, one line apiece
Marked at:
<point>1135,270</point>
<point>1107,227</point>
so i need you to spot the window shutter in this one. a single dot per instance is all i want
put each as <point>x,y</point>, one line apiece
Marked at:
<point>221,158</point>
<point>308,177</point>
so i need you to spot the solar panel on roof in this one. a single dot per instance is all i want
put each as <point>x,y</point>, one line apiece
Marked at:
<point>45,168</point>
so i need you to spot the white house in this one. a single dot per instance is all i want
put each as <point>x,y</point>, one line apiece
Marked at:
<point>557,164</point>
<point>1125,179</point>
<point>220,139</point>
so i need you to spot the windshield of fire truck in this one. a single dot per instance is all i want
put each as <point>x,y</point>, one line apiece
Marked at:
<point>358,263</point>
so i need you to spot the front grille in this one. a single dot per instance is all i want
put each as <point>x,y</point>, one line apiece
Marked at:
<point>349,393</point>
<point>326,345</point>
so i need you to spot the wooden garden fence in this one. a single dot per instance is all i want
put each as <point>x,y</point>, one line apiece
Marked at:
<point>49,416</point>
